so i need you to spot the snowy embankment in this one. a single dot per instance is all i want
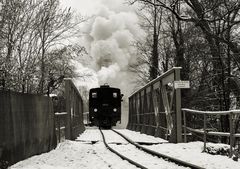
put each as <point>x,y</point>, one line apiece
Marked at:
<point>88,152</point>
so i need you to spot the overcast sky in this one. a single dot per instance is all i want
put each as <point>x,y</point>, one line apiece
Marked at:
<point>85,7</point>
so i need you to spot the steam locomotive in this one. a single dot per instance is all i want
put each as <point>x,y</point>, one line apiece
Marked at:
<point>105,106</point>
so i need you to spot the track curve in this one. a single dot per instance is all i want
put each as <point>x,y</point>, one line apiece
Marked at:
<point>134,150</point>
<point>120,155</point>
<point>160,155</point>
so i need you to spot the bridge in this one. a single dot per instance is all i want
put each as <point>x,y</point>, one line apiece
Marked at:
<point>156,109</point>
<point>33,124</point>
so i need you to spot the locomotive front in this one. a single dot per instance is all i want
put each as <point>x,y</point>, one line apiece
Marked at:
<point>105,106</point>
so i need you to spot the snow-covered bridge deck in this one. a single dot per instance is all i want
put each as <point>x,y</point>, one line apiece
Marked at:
<point>83,154</point>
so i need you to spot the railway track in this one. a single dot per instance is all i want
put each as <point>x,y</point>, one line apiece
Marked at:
<point>132,152</point>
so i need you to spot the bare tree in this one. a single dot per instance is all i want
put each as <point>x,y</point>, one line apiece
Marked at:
<point>53,25</point>
<point>31,31</point>
<point>147,67</point>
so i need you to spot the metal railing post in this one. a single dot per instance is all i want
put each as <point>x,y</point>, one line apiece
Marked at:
<point>185,125</point>
<point>231,134</point>
<point>205,132</point>
<point>59,129</point>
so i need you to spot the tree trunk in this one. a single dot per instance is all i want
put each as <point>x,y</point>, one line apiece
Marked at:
<point>154,59</point>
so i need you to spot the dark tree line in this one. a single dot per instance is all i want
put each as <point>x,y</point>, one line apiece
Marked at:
<point>202,37</point>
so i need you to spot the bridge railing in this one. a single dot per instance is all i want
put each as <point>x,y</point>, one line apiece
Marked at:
<point>207,117</point>
<point>155,109</point>
<point>68,110</point>
<point>74,108</point>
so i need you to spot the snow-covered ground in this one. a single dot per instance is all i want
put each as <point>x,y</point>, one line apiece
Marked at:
<point>88,152</point>
<point>189,152</point>
<point>141,138</point>
<point>133,153</point>
<point>75,155</point>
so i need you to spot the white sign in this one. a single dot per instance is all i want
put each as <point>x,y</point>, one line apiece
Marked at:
<point>181,84</point>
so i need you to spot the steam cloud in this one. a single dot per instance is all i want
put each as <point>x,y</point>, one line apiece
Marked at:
<point>110,37</point>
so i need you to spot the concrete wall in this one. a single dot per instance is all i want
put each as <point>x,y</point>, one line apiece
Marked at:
<point>26,125</point>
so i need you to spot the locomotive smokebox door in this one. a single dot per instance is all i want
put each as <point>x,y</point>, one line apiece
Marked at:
<point>105,105</point>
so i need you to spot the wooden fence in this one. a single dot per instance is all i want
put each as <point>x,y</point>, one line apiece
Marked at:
<point>205,130</point>
<point>29,125</point>
<point>26,126</point>
<point>69,113</point>
<point>74,109</point>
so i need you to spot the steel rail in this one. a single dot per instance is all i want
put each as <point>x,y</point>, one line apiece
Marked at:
<point>120,155</point>
<point>160,155</point>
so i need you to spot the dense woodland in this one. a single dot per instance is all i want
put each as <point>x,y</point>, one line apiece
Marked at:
<point>202,37</point>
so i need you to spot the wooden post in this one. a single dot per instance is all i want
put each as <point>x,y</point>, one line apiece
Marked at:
<point>135,112</point>
<point>59,128</point>
<point>178,108</point>
<point>231,134</point>
<point>88,118</point>
<point>68,133</point>
<point>169,118</point>
<point>205,132</point>
<point>129,125</point>
<point>185,125</point>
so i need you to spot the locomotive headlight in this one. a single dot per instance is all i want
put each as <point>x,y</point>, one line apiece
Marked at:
<point>115,109</point>
<point>95,110</point>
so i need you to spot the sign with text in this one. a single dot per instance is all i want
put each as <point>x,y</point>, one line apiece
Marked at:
<point>181,84</point>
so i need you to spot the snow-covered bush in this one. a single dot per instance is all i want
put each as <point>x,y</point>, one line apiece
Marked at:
<point>217,149</point>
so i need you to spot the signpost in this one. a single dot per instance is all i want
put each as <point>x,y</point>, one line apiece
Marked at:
<point>181,84</point>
